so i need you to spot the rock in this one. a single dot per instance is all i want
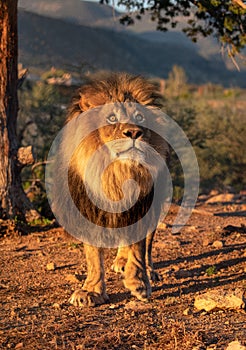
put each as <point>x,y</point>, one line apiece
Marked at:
<point>235,345</point>
<point>205,242</point>
<point>19,346</point>
<point>51,266</point>
<point>220,299</point>
<point>187,312</point>
<point>218,244</point>
<point>162,226</point>
<point>221,198</point>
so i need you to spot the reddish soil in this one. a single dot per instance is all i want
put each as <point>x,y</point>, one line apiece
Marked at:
<point>36,314</point>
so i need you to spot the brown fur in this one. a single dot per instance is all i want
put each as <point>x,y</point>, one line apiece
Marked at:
<point>134,260</point>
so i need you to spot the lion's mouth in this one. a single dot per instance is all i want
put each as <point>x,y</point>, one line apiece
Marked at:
<point>130,153</point>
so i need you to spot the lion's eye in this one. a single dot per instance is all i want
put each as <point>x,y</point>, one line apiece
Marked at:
<point>139,118</point>
<point>112,118</point>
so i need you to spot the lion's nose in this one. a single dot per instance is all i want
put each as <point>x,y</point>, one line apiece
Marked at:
<point>133,133</point>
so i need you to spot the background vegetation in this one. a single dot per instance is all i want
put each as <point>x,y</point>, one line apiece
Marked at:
<point>212,117</point>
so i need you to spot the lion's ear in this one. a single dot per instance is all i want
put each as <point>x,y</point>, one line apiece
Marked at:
<point>85,103</point>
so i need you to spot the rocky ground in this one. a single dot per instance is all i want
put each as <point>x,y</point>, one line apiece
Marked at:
<point>199,304</point>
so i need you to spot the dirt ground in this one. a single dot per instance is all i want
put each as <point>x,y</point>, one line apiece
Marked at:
<point>36,314</point>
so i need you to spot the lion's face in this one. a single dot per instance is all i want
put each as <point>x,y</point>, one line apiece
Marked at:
<point>126,134</point>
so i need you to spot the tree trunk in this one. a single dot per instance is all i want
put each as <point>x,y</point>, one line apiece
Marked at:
<point>13,201</point>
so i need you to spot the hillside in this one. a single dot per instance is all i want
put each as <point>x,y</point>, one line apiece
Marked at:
<point>50,41</point>
<point>89,13</point>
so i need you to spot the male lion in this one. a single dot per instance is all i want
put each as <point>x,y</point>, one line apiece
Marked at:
<point>120,109</point>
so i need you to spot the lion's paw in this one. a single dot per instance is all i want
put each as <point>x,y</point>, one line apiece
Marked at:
<point>119,265</point>
<point>91,299</point>
<point>140,289</point>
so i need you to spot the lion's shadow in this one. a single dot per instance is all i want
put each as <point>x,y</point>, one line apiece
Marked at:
<point>189,285</point>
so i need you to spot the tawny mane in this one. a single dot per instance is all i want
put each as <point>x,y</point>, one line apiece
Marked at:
<point>95,185</point>
<point>114,88</point>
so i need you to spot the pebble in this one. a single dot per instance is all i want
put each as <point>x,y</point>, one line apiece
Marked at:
<point>205,242</point>
<point>187,312</point>
<point>235,345</point>
<point>218,244</point>
<point>220,299</point>
<point>162,226</point>
<point>51,266</point>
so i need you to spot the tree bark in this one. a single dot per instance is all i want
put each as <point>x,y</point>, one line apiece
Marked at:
<point>13,201</point>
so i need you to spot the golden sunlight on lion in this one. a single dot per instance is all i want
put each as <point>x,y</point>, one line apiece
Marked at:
<point>130,151</point>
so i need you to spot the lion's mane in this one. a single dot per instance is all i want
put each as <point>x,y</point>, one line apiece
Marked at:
<point>116,88</point>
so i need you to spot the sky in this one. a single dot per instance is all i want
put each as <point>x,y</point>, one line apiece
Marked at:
<point>111,2</point>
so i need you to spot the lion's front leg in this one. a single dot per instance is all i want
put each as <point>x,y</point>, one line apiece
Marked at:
<point>94,289</point>
<point>135,276</point>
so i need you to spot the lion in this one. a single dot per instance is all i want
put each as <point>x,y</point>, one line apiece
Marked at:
<point>121,105</point>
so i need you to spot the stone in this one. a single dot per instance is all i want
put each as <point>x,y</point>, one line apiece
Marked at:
<point>220,299</point>
<point>205,242</point>
<point>218,244</point>
<point>235,345</point>
<point>162,226</point>
<point>51,266</point>
<point>187,312</point>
